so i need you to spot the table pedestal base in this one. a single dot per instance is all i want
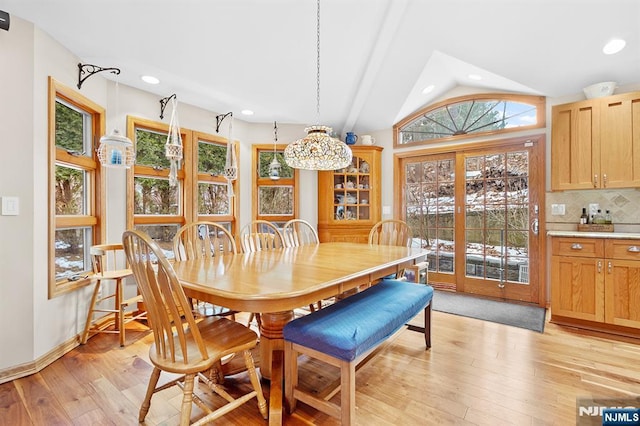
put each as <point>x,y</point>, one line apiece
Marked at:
<point>272,359</point>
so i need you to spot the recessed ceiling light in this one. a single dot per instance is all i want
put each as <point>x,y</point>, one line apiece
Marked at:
<point>428,89</point>
<point>474,77</point>
<point>614,46</point>
<point>247,112</point>
<point>150,79</point>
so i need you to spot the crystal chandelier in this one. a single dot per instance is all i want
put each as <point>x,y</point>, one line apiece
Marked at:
<point>318,150</point>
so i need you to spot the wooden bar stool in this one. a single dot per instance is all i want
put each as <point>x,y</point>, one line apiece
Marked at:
<point>107,261</point>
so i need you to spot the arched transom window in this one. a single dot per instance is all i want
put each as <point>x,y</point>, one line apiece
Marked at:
<point>470,115</point>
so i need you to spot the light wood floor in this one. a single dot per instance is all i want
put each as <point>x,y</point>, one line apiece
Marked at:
<point>476,373</point>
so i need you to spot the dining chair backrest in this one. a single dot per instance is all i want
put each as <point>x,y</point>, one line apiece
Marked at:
<point>260,235</point>
<point>299,232</point>
<point>174,328</point>
<point>391,232</point>
<point>202,240</point>
<point>107,257</point>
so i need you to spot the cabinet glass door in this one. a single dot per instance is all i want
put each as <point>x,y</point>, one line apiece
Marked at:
<point>351,191</point>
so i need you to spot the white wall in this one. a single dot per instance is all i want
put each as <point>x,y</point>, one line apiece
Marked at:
<point>16,179</point>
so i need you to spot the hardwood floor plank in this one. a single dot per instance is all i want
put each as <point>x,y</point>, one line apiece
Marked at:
<point>12,410</point>
<point>475,373</point>
<point>41,402</point>
<point>74,398</point>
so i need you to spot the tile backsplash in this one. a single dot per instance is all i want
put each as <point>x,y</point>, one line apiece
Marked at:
<point>624,205</point>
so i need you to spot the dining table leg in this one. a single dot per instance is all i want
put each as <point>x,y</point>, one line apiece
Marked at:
<point>272,359</point>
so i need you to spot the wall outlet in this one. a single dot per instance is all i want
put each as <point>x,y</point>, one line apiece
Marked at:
<point>558,209</point>
<point>593,209</point>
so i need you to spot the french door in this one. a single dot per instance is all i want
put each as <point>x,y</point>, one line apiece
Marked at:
<point>479,212</point>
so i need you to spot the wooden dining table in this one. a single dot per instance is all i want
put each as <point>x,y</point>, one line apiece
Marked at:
<point>276,282</point>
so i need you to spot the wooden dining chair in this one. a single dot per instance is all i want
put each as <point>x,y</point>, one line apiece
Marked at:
<point>181,345</point>
<point>260,235</point>
<point>109,266</point>
<point>205,240</point>
<point>299,232</point>
<point>391,232</point>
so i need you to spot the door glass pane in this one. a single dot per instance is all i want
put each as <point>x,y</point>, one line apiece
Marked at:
<point>72,252</point>
<point>213,198</point>
<point>430,205</point>
<point>71,191</point>
<point>445,248</point>
<point>497,216</point>
<point>156,196</point>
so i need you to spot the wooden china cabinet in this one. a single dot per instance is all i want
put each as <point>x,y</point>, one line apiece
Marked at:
<point>349,199</point>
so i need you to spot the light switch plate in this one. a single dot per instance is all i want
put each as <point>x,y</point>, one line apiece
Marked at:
<point>10,206</point>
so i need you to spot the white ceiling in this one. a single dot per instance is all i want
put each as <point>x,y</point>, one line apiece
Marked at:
<point>376,55</point>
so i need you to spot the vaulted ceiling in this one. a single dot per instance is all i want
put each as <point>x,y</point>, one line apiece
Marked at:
<point>376,56</point>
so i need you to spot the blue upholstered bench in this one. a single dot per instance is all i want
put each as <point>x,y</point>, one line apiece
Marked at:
<point>346,332</point>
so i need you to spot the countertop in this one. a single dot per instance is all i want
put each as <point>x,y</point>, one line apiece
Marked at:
<point>618,235</point>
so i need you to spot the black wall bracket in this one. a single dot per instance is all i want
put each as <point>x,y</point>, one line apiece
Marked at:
<point>220,118</point>
<point>163,104</point>
<point>90,70</point>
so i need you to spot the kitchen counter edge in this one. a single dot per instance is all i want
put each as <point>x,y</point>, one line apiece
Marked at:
<point>582,234</point>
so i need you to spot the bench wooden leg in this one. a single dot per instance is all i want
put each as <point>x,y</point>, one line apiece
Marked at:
<point>290,375</point>
<point>347,392</point>
<point>427,325</point>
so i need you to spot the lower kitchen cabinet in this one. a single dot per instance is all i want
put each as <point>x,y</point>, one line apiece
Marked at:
<point>595,283</point>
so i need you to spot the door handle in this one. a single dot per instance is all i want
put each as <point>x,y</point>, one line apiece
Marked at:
<point>535,226</point>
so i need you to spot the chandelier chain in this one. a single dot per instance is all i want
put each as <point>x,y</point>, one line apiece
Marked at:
<point>318,65</point>
<point>275,137</point>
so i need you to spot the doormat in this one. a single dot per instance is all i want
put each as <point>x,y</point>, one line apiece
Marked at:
<point>516,315</point>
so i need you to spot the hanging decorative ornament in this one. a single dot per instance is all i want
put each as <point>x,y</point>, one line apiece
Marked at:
<point>173,147</point>
<point>274,167</point>
<point>231,164</point>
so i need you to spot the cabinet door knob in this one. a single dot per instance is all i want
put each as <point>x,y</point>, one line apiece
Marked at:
<point>604,179</point>
<point>599,266</point>
<point>610,266</point>
<point>633,249</point>
<point>595,181</point>
<point>576,246</point>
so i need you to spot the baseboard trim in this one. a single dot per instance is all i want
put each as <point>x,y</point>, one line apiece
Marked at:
<point>26,369</point>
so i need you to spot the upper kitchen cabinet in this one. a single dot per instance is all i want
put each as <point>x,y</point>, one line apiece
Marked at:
<point>596,143</point>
